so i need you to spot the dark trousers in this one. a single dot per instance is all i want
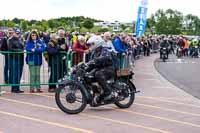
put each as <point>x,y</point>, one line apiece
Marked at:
<point>63,69</point>
<point>102,76</point>
<point>6,69</point>
<point>15,74</point>
<point>186,52</point>
<point>54,75</point>
<point>146,51</point>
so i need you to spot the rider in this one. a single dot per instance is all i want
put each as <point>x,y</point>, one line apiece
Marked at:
<point>164,44</point>
<point>101,66</point>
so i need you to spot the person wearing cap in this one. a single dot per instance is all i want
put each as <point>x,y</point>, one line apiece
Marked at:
<point>16,46</point>
<point>121,47</point>
<point>35,47</point>
<point>119,43</point>
<point>80,48</point>
<point>4,47</point>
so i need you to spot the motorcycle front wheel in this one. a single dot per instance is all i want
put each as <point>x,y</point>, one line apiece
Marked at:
<point>70,98</point>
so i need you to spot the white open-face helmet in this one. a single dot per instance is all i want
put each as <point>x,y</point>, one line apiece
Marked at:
<point>95,42</point>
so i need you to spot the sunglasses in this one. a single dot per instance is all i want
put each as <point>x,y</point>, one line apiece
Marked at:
<point>33,35</point>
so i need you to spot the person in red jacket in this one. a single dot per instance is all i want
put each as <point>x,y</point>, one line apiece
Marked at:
<point>80,48</point>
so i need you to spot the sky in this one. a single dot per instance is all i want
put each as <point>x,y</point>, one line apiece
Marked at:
<point>107,10</point>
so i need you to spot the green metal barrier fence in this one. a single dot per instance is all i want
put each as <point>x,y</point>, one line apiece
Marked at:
<point>53,68</point>
<point>16,65</point>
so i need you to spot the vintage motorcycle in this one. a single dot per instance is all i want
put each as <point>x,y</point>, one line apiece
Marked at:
<point>73,95</point>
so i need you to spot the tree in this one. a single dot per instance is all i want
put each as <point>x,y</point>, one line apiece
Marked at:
<point>1,23</point>
<point>166,22</point>
<point>192,24</point>
<point>88,24</point>
<point>102,30</point>
<point>51,23</point>
<point>151,24</point>
<point>123,27</point>
<point>16,20</point>
<point>10,23</point>
<point>24,25</point>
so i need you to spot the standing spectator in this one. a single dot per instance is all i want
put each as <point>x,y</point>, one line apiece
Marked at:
<point>121,47</point>
<point>34,59</point>
<point>4,47</point>
<point>108,42</point>
<point>74,38</point>
<point>146,47</point>
<point>80,47</point>
<point>46,37</point>
<point>119,43</point>
<point>15,44</point>
<point>69,36</point>
<point>186,47</point>
<point>171,45</point>
<point>53,49</point>
<point>62,42</point>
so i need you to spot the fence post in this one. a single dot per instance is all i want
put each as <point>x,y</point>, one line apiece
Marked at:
<point>1,92</point>
<point>84,58</point>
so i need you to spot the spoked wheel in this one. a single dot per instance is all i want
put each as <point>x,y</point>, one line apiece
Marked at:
<point>128,95</point>
<point>70,99</point>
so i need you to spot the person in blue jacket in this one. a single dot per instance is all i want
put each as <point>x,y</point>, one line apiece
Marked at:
<point>120,43</point>
<point>34,47</point>
<point>122,48</point>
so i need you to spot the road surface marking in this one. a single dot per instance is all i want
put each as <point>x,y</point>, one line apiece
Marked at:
<point>167,109</point>
<point>160,87</point>
<point>90,116</point>
<point>158,99</point>
<point>153,79</point>
<point>186,100</point>
<point>148,73</point>
<point>157,117</point>
<point>152,116</point>
<point>45,122</point>
<point>149,106</point>
<point>127,123</point>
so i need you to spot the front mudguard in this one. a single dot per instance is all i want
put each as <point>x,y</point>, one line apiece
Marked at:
<point>81,86</point>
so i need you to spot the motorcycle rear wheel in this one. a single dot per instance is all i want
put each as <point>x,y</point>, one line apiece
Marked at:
<point>131,91</point>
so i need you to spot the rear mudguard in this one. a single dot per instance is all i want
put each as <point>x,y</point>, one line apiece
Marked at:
<point>130,76</point>
<point>129,80</point>
<point>135,90</point>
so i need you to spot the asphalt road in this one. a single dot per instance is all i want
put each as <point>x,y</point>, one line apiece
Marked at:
<point>184,73</point>
<point>161,107</point>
